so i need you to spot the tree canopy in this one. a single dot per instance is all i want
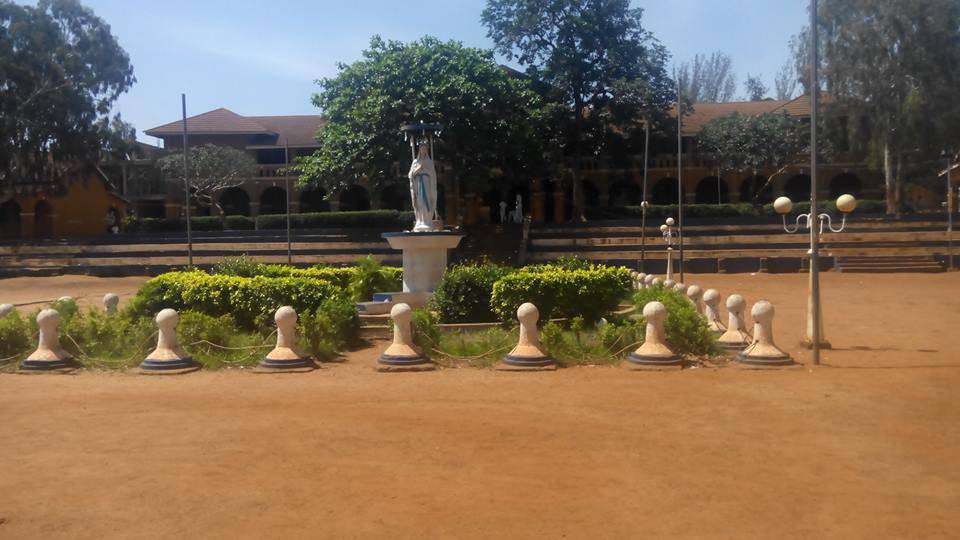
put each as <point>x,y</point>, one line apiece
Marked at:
<point>60,71</point>
<point>601,69</point>
<point>755,143</point>
<point>489,114</point>
<point>211,169</point>
<point>708,78</point>
<point>893,68</point>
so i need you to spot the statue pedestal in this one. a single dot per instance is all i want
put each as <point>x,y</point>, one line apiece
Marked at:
<point>424,257</point>
<point>424,261</point>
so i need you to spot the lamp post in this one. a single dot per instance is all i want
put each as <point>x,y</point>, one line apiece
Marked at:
<point>949,205</point>
<point>643,198</point>
<point>668,235</point>
<point>814,337</point>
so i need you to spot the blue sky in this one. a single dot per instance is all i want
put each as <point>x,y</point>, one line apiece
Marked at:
<point>261,57</point>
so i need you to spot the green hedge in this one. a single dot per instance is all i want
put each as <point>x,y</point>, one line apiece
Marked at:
<point>363,280</point>
<point>687,331</point>
<point>372,219</point>
<point>251,301</point>
<point>239,223</point>
<point>560,293</point>
<point>658,211</point>
<point>464,293</point>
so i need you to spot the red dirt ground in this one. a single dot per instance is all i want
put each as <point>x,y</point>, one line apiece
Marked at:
<point>863,447</point>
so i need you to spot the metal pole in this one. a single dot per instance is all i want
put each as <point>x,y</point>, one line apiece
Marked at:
<point>643,197</point>
<point>949,220</point>
<point>186,183</point>
<point>286,177</point>
<point>679,179</point>
<point>814,300</point>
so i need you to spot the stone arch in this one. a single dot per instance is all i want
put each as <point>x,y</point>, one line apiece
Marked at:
<point>754,190</point>
<point>43,219</point>
<point>235,202</point>
<point>273,200</point>
<point>354,198</point>
<point>708,191</point>
<point>845,183</point>
<point>624,193</point>
<point>395,196</point>
<point>797,188</point>
<point>314,200</point>
<point>10,219</point>
<point>664,191</point>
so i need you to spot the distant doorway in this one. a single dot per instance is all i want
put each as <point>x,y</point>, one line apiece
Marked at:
<point>10,220</point>
<point>43,220</point>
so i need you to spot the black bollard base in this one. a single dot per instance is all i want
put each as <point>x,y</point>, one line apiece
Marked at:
<point>526,363</point>
<point>293,365</point>
<point>643,362</point>
<point>67,365</point>
<point>765,361</point>
<point>168,367</point>
<point>392,363</point>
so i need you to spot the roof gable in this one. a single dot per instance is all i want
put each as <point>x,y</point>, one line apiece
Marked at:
<point>220,121</point>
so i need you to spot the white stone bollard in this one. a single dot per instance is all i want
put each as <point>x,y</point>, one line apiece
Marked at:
<point>648,281</point>
<point>50,355</point>
<point>763,351</point>
<point>656,282</point>
<point>642,280</point>
<point>736,336</point>
<point>65,299</point>
<point>669,284</point>
<point>695,296</point>
<point>633,279</point>
<point>680,288</point>
<point>402,354</point>
<point>528,355</point>
<point>110,302</point>
<point>168,358</point>
<point>711,310</point>
<point>6,309</point>
<point>286,356</point>
<point>654,351</point>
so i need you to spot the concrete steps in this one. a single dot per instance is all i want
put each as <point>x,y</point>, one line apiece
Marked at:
<point>888,264</point>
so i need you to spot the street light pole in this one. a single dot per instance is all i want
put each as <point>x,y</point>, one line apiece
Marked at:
<point>949,219</point>
<point>813,302</point>
<point>680,178</point>
<point>643,198</point>
<point>186,183</point>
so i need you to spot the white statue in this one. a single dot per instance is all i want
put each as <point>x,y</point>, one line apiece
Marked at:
<point>503,212</point>
<point>423,190</point>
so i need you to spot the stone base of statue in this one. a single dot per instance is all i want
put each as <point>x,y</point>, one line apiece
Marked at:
<point>424,256</point>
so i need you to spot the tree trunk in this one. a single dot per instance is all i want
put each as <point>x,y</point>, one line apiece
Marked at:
<point>888,180</point>
<point>578,204</point>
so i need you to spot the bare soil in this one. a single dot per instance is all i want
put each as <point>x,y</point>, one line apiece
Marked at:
<point>862,446</point>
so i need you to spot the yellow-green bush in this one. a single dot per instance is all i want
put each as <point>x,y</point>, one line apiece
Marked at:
<point>251,301</point>
<point>363,280</point>
<point>557,292</point>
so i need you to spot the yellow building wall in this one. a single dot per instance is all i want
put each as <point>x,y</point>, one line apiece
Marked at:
<point>80,212</point>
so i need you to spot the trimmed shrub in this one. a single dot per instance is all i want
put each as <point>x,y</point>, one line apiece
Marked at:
<point>559,293</point>
<point>369,219</point>
<point>154,225</point>
<point>687,331</point>
<point>330,327</point>
<point>426,333</point>
<point>465,291</point>
<point>14,335</point>
<point>362,281</point>
<point>239,223</point>
<point>250,300</point>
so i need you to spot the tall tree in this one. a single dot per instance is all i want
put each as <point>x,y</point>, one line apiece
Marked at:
<point>893,68</point>
<point>708,78</point>
<point>118,139</point>
<point>489,114</point>
<point>767,143</point>
<point>755,88</point>
<point>211,169</point>
<point>786,82</point>
<point>60,70</point>
<point>601,67</point>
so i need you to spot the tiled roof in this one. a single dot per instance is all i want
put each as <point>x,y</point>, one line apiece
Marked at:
<point>704,112</point>
<point>292,130</point>
<point>216,121</point>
